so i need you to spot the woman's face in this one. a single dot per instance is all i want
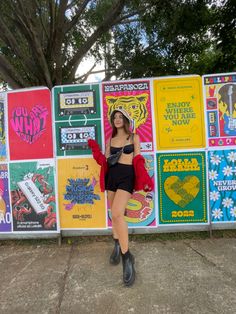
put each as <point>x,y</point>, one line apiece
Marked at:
<point>118,120</point>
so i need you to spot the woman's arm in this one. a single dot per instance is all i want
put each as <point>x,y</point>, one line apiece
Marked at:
<point>136,145</point>
<point>107,149</point>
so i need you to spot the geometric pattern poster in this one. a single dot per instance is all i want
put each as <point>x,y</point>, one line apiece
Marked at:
<point>179,112</point>
<point>140,210</point>
<point>33,197</point>
<point>220,104</point>
<point>135,98</point>
<point>5,212</point>
<point>182,188</point>
<point>30,124</point>
<point>222,185</point>
<point>77,114</point>
<point>3,154</point>
<point>81,202</point>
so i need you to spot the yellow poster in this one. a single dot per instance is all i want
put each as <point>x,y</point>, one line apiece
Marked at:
<point>179,113</point>
<point>81,203</point>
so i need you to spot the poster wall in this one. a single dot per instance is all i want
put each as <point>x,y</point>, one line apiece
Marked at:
<point>77,116</point>
<point>3,153</point>
<point>179,112</point>
<point>141,210</point>
<point>135,98</point>
<point>220,104</point>
<point>81,203</point>
<point>5,211</point>
<point>30,124</point>
<point>33,198</point>
<point>222,185</point>
<point>182,188</point>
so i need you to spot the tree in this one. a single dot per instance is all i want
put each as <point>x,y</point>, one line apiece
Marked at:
<point>42,42</point>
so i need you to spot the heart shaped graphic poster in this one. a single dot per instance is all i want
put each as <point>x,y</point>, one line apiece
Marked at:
<point>30,124</point>
<point>182,192</point>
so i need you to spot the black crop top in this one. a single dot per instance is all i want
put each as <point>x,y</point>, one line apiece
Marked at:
<point>128,149</point>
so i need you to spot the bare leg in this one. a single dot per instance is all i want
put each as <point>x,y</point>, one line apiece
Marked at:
<point>119,204</point>
<point>110,197</point>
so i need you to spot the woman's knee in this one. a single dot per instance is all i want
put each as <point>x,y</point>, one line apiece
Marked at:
<point>117,215</point>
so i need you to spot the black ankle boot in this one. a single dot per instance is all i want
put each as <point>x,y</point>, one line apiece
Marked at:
<point>128,268</point>
<point>115,255</point>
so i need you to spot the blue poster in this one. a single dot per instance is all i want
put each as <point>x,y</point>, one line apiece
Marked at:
<point>222,185</point>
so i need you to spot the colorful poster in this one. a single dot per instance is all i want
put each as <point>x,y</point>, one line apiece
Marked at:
<point>140,211</point>
<point>76,102</point>
<point>77,115</point>
<point>72,138</point>
<point>179,112</point>
<point>5,212</point>
<point>30,124</point>
<point>33,196</point>
<point>135,98</point>
<point>81,202</point>
<point>3,153</point>
<point>182,188</point>
<point>220,105</point>
<point>222,185</point>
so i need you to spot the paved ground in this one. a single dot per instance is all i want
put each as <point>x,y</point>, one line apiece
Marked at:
<point>184,276</point>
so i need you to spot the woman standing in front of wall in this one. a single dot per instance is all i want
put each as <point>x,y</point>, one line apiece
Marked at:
<point>122,178</point>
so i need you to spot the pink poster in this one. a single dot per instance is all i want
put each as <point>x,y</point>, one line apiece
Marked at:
<point>30,124</point>
<point>135,98</point>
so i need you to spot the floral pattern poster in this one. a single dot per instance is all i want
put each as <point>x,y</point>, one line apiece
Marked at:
<point>222,185</point>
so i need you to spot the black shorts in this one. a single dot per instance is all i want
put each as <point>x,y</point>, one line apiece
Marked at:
<point>120,176</point>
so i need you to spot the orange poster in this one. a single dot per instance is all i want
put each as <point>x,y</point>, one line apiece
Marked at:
<point>81,202</point>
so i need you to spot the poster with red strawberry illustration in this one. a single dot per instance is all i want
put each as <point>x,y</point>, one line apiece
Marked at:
<point>30,124</point>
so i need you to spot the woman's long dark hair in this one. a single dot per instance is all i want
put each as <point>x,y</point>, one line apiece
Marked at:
<point>126,124</point>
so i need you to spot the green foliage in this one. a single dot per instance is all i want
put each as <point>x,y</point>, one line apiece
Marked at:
<point>42,42</point>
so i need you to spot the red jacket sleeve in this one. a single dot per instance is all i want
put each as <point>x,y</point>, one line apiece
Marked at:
<point>100,159</point>
<point>142,179</point>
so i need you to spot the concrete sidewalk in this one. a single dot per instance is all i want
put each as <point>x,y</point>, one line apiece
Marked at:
<point>184,276</point>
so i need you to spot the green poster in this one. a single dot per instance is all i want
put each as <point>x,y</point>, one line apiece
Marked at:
<point>33,198</point>
<point>77,117</point>
<point>76,102</point>
<point>72,138</point>
<point>182,187</point>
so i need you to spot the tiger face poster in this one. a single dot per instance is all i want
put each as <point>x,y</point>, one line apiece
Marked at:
<point>179,112</point>
<point>182,188</point>
<point>5,212</point>
<point>33,196</point>
<point>81,202</point>
<point>135,98</point>
<point>222,185</point>
<point>220,106</point>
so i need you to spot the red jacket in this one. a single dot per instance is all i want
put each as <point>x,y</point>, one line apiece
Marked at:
<point>142,179</point>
